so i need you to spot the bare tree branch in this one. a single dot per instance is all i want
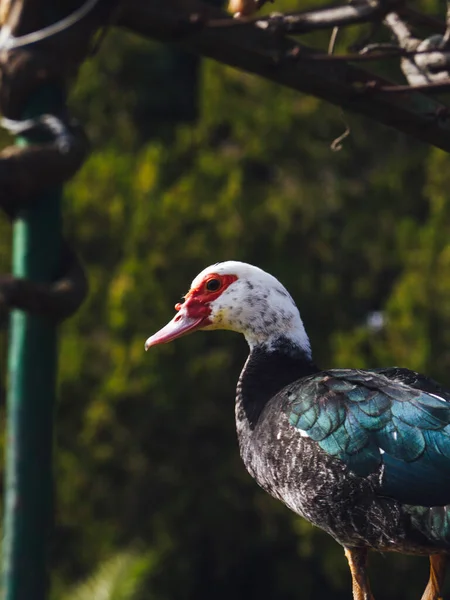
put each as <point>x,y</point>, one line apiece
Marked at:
<point>401,31</point>
<point>322,18</point>
<point>446,38</point>
<point>256,51</point>
<point>428,62</point>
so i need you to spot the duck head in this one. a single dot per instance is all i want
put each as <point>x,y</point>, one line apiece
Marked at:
<point>239,297</point>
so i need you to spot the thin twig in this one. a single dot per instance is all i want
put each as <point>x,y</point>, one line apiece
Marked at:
<point>426,88</point>
<point>336,144</point>
<point>9,42</point>
<point>333,40</point>
<point>324,18</point>
<point>373,55</point>
<point>370,57</point>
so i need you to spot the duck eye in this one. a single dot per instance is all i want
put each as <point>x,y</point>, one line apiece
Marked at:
<point>212,285</point>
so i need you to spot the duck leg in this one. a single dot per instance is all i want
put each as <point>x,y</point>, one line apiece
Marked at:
<point>438,564</point>
<point>357,560</point>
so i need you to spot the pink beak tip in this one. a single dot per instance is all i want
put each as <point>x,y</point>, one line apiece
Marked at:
<point>149,342</point>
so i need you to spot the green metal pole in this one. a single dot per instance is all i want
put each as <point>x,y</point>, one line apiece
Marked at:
<point>31,396</point>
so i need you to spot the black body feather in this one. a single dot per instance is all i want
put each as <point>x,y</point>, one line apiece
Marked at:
<point>312,439</point>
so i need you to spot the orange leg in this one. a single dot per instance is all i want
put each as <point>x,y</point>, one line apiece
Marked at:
<point>357,560</point>
<point>438,564</point>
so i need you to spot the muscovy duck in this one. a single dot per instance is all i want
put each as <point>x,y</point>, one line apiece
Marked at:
<point>363,454</point>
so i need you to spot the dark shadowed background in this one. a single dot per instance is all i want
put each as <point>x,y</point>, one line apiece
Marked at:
<point>147,464</point>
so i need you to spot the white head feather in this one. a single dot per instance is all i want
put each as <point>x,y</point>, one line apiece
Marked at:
<point>256,305</point>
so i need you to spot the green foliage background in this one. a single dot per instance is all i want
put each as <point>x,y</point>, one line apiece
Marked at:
<point>146,449</point>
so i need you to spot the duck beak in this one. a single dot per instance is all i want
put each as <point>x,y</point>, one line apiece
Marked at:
<point>180,325</point>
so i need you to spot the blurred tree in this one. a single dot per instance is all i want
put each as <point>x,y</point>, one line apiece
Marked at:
<point>146,444</point>
<point>118,578</point>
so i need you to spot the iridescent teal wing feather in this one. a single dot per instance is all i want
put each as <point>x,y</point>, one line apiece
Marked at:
<point>370,421</point>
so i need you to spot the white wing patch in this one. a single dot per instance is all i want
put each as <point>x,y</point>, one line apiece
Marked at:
<point>303,433</point>
<point>437,397</point>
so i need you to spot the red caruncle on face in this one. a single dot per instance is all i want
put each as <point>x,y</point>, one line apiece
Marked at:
<point>209,289</point>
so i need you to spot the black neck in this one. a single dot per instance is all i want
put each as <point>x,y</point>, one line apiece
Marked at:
<point>266,372</point>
